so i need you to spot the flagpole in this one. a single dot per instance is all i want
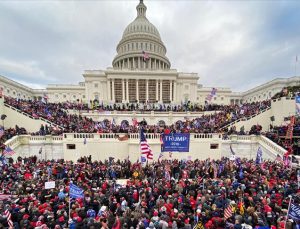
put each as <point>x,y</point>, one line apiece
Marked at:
<point>69,210</point>
<point>296,65</point>
<point>287,215</point>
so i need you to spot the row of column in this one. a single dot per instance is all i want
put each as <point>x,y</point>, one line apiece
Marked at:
<point>125,93</point>
<point>137,62</point>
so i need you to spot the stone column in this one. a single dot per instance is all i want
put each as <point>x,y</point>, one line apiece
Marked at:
<point>175,92</point>
<point>127,93</point>
<point>123,64</point>
<point>156,90</point>
<point>147,90</point>
<point>155,67</point>
<point>139,62</point>
<point>160,96</point>
<point>134,62</point>
<point>128,65</point>
<point>171,90</point>
<point>137,90</point>
<point>123,91</point>
<point>113,90</point>
<point>108,90</point>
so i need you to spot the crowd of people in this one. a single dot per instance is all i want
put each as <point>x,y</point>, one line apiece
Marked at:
<point>167,194</point>
<point>278,135</point>
<point>144,107</point>
<point>9,133</point>
<point>288,92</point>
<point>58,114</point>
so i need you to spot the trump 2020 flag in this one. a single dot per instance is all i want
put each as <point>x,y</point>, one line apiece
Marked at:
<point>258,156</point>
<point>75,192</point>
<point>297,105</point>
<point>294,211</point>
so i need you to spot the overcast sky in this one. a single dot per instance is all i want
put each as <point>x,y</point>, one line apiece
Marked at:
<point>236,44</point>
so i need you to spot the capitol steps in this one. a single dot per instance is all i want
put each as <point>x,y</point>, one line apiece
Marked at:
<point>15,116</point>
<point>280,109</point>
<point>262,118</point>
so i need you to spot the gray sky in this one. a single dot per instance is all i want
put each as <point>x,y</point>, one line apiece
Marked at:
<point>236,44</point>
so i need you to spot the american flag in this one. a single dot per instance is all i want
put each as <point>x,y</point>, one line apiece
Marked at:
<point>212,94</point>
<point>8,217</point>
<point>1,132</point>
<point>145,56</point>
<point>145,148</point>
<point>228,212</point>
<point>6,196</point>
<point>8,151</point>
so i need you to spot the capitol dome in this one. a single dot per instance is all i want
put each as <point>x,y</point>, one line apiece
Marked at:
<point>141,46</point>
<point>141,25</point>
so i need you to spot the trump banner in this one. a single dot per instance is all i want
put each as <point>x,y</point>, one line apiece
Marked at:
<point>297,105</point>
<point>294,211</point>
<point>175,143</point>
<point>76,192</point>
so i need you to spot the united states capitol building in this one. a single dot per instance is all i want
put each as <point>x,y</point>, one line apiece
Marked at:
<point>141,72</point>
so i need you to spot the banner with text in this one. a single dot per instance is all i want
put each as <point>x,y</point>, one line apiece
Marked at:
<point>297,105</point>
<point>175,143</point>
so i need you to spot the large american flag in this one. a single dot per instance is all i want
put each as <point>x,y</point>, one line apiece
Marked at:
<point>5,197</point>
<point>8,217</point>
<point>228,212</point>
<point>145,148</point>
<point>8,151</point>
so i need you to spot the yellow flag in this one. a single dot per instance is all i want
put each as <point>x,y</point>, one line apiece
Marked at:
<point>242,210</point>
<point>199,225</point>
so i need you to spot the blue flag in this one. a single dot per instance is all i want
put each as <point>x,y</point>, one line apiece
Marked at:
<point>241,173</point>
<point>294,211</point>
<point>258,156</point>
<point>76,192</point>
<point>238,162</point>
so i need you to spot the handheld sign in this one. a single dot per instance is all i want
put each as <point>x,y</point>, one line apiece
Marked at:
<point>49,184</point>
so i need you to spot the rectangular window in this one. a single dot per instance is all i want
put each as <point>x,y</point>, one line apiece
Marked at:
<point>214,146</point>
<point>71,146</point>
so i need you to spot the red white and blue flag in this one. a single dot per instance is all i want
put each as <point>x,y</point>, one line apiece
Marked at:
<point>145,148</point>
<point>212,94</point>
<point>145,56</point>
<point>8,151</point>
<point>8,218</point>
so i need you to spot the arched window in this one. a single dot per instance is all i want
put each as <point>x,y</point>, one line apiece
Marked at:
<point>161,123</point>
